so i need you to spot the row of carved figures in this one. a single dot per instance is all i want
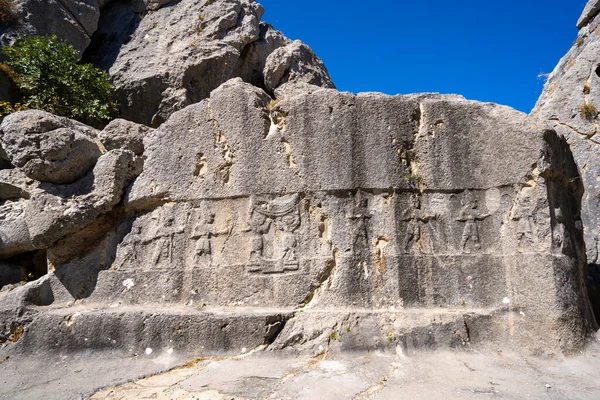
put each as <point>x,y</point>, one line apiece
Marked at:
<point>279,253</point>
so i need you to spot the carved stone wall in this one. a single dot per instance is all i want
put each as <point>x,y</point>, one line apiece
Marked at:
<point>333,202</point>
<point>441,220</point>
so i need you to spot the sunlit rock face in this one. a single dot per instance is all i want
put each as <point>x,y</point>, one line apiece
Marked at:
<point>268,209</point>
<point>176,55</point>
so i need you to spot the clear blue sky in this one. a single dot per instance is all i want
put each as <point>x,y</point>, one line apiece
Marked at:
<point>483,50</point>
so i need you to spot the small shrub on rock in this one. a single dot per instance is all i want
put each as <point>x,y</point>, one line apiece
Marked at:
<point>51,77</point>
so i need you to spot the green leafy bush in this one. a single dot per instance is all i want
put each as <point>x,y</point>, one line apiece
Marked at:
<point>52,78</point>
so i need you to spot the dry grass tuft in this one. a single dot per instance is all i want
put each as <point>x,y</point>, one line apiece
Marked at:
<point>588,110</point>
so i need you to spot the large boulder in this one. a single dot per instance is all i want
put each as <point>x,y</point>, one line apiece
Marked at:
<point>123,134</point>
<point>179,53</point>
<point>49,148</point>
<point>251,65</point>
<point>63,178</point>
<point>37,215</point>
<point>295,62</point>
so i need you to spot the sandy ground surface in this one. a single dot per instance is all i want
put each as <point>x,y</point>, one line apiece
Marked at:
<point>465,374</point>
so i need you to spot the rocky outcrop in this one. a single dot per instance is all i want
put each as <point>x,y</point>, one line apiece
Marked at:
<point>165,55</point>
<point>123,134</point>
<point>176,55</point>
<point>63,180</point>
<point>46,213</point>
<point>295,62</point>
<point>570,102</point>
<point>591,9</point>
<point>407,172</point>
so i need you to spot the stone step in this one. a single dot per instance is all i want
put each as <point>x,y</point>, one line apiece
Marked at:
<point>149,329</point>
<point>202,331</point>
<point>399,331</point>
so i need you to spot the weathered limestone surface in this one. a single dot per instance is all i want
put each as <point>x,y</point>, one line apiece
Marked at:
<point>295,62</point>
<point>443,186</point>
<point>64,179</point>
<point>570,103</point>
<point>123,134</point>
<point>164,55</point>
<point>49,148</point>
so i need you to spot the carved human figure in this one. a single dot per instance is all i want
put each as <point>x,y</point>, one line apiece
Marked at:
<point>274,250</point>
<point>359,217</point>
<point>259,225</point>
<point>202,232</point>
<point>288,224</point>
<point>163,237</point>
<point>469,214</point>
<point>523,215</point>
<point>415,217</point>
<point>130,248</point>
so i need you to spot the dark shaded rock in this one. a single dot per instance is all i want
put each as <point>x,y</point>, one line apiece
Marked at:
<point>72,21</point>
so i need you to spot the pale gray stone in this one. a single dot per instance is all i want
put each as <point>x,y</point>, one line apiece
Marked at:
<point>168,59</point>
<point>139,5</point>
<point>49,148</point>
<point>85,12</point>
<point>150,5</point>
<point>475,184</point>
<point>178,54</point>
<point>123,134</point>
<point>309,223</point>
<point>39,214</point>
<point>254,56</point>
<point>295,62</point>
